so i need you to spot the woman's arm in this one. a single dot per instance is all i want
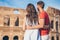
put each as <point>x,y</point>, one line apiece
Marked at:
<point>41,25</point>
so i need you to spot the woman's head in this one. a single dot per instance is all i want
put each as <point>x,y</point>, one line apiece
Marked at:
<point>31,12</point>
<point>30,8</point>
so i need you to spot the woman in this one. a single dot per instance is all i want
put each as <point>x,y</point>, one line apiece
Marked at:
<point>31,19</point>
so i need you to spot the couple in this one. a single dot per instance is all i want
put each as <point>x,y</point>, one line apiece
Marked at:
<point>36,26</point>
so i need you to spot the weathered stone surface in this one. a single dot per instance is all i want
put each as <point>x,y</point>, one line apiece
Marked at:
<point>8,20</point>
<point>54,15</point>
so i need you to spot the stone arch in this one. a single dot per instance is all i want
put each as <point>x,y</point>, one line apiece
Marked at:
<point>6,20</point>
<point>5,38</point>
<point>52,24</point>
<point>52,38</point>
<point>16,11</point>
<point>57,37</point>
<point>15,38</point>
<point>17,22</point>
<point>57,26</point>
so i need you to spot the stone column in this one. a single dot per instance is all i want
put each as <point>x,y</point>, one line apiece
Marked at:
<point>0,35</point>
<point>59,37</point>
<point>55,36</point>
<point>54,24</point>
<point>59,25</point>
<point>21,35</point>
<point>20,21</point>
<point>50,36</point>
<point>12,21</point>
<point>11,36</point>
<point>1,21</point>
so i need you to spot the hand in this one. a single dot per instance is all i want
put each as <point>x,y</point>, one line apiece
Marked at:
<point>28,27</point>
<point>46,27</point>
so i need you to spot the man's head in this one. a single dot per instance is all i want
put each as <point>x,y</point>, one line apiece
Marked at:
<point>40,4</point>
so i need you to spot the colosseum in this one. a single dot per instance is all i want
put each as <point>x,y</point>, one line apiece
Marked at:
<point>54,15</point>
<point>11,21</point>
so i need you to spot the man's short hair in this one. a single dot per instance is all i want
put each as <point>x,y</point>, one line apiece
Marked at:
<point>40,3</point>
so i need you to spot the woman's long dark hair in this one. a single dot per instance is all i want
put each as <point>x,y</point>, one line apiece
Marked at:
<point>32,14</point>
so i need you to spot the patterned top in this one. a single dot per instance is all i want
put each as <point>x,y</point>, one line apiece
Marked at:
<point>29,23</point>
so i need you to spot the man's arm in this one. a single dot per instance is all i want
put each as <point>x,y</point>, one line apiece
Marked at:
<point>41,24</point>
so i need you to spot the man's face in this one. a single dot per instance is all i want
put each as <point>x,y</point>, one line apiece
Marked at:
<point>38,6</point>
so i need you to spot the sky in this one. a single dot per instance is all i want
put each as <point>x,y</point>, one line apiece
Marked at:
<point>23,3</point>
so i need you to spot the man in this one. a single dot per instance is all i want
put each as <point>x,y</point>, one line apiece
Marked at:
<point>43,22</point>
